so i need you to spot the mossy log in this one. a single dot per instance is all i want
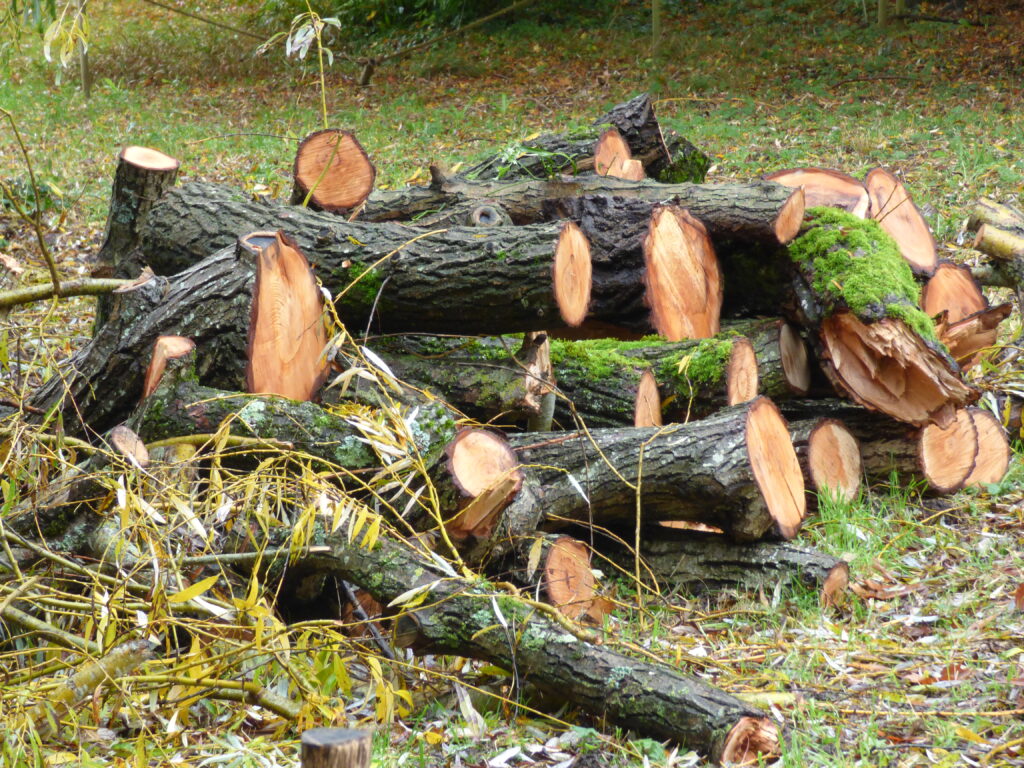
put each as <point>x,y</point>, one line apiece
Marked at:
<point>668,158</point>
<point>461,617</point>
<point>704,562</point>
<point>459,280</point>
<point>858,298</point>
<point>141,178</point>
<point>736,471</point>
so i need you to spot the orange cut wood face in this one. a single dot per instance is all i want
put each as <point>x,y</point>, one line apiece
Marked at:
<point>571,278</point>
<point>775,466</point>
<point>993,458</point>
<point>741,373</point>
<point>165,348</point>
<point>796,367</point>
<point>825,187</point>
<point>335,166</point>
<point>287,336</point>
<point>953,290</point>
<point>833,458</point>
<point>948,454</point>
<point>684,284</point>
<point>893,209</point>
<point>647,406</point>
<point>150,159</point>
<point>969,337</point>
<point>612,157</point>
<point>568,579</point>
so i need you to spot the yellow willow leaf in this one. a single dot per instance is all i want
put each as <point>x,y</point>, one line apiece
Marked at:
<point>412,597</point>
<point>968,735</point>
<point>193,591</point>
<point>533,560</point>
<point>372,533</point>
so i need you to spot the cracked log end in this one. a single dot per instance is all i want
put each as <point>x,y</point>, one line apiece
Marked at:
<point>791,216</point>
<point>833,459</point>
<point>571,276</point>
<point>795,365</point>
<point>684,285</point>
<point>887,367</point>
<point>125,442</point>
<point>612,157</point>
<point>486,472</point>
<point>149,159</point>
<point>948,454</point>
<point>953,290</point>
<point>823,186</point>
<point>286,327</point>
<point>775,466</point>
<point>337,165</point>
<point>975,333</point>
<point>647,407</point>
<point>750,741</point>
<point>993,449</point>
<point>166,348</point>
<point>892,207</point>
<point>742,380</point>
<point>568,579</point>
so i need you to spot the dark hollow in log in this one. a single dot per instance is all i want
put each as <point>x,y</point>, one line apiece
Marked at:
<point>705,562</point>
<point>285,353</point>
<point>332,171</point>
<point>476,213</point>
<point>736,471</point>
<point>859,298</point>
<point>823,186</point>
<point>993,458</point>
<point>892,207</point>
<point>653,700</point>
<point>830,456</point>
<point>141,178</point>
<point>393,277</point>
<point>336,748</point>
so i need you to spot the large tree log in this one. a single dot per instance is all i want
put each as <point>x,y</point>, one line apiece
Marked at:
<point>669,159</point>
<point>141,178</point>
<point>332,172</point>
<point>859,298</point>
<point>461,617</point>
<point>460,280</point>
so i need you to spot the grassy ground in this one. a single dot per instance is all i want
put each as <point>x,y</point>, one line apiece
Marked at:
<point>925,666</point>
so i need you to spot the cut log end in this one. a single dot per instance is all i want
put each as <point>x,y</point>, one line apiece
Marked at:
<point>791,216</point>
<point>775,466</point>
<point>336,748</point>
<point>286,331</point>
<point>833,458</point>
<point>166,348</point>
<point>477,458</point>
<point>892,207</point>
<point>952,289</point>
<point>750,741</point>
<point>948,455</point>
<point>993,459</point>
<point>889,368</point>
<point>742,380</point>
<point>336,167</point>
<point>568,579</point>
<point>572,274</point>
<point>684,285</point>
<point>647,408</point>
<point>149,159</point>
<point>795,365</point>
<point>823,186</point>
<point>129,445</point>
<point>612,157</point>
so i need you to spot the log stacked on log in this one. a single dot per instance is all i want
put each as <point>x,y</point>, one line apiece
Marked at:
<point>624,431</point>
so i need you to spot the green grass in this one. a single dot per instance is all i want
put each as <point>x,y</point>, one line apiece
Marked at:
<point>760,86</point>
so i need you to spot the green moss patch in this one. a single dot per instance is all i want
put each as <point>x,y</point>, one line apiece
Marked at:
<point>702,365</point>
<point>854,263</point>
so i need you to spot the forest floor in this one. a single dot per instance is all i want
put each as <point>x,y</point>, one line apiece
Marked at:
<point>924,663</point>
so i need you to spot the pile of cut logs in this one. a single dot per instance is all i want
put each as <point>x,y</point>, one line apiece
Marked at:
<point>667,329</point>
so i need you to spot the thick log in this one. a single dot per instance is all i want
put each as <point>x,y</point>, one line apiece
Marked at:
<point>705,562</point>
<point>460,618</point>
<point>736,471</point>
<point>893,209</point>
<point>823,186</point>
<point>1001,244</point>
<point>141,178</point>
<point>669,159</point>
<point>459,280</point>
<point>859,298</point>
<point>830,457</point>
<point>332,172</point>
<point>1001,215</point>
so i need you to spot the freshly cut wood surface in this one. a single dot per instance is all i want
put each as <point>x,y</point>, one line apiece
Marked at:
<point>647,408</point>
<point>888,367</point>
<point>823,186</point>
<point>949,454</point>
<point>892,207</point>
<point>335,166</point>
<point>286,334</point>
<point>993,458</point>
<point>126,443</point>
<point>613,158</point>
<point>973,334</point>
<point>684,287</point>
<point>150,159</point>
<point>166,348</point>
<point>953,290</point>
<point>775,466</point>
<point>833,459</point>
<point>743,382</point>
<point>571,279</point>
<point>795,364</point>
<point>485,474</point>
<point>568,579</point>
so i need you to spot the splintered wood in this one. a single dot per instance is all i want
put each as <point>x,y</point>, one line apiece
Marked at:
<point>612,157</point>
<point>166,348</point>
<point>684,286</point>
<point>485,472</point>
<point>286,332</point>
